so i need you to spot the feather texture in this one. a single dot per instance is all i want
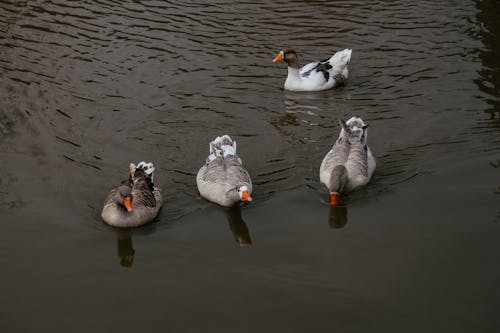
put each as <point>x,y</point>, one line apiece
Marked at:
<point>350,163</point>
<point>315,76</point>
<point>223,178</point>
<point>145,199</point>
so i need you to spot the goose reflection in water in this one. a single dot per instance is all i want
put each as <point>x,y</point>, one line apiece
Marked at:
<point>237,225</point>
<point>338,216</point>
<point>303,103</point>
<point>125,248</point>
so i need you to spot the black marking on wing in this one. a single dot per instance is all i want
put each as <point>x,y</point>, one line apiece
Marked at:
<point>340,79</point>
<point>306,74</point>
<point>322,67</point>
<point>326,60</point>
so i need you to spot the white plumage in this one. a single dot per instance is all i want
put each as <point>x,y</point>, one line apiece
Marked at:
<point>315,76</point>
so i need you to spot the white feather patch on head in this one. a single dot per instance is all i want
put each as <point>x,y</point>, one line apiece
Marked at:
<point>242,189</point>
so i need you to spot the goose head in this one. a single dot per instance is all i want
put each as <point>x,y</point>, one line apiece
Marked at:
<point>338,181</point>
<point>244,193</point>
<point>290,57</point>
<point>123,197</point>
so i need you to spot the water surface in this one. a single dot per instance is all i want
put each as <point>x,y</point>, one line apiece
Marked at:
<point>89,86</point>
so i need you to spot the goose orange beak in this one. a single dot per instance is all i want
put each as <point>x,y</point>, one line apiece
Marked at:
<point>279,57</point>
<point>127,202</point>
<point>245,196</point>
<point>334,198</point>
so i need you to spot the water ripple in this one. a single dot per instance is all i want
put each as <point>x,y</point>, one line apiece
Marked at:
<point>158,80</point>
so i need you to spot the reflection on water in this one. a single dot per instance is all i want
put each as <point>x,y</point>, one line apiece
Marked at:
<point>238,226</point>
<point>124,244</point>
<point>303,102</point>
<point>88,86</point>
<point>338,216</point>
<point>489,81</point>
<point>95,90</point>
<point>125,248</point>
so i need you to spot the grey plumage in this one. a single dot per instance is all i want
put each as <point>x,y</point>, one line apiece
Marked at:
<point>223,177</point>
<point>350,163</point>
<point>146,200</point>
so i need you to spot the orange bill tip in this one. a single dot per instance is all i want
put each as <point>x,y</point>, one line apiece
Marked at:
<point>334,198</point>
<point>244,241</point>
<point>127,202</point>
<point>245,196</point>
<point>279,57</point>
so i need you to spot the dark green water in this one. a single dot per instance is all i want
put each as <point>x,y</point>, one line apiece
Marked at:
<point>86,87</point>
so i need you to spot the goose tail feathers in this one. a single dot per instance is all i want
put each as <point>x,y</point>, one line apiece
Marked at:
<point>147,167</point>
<point>341,58</point>
<point>222,146</point>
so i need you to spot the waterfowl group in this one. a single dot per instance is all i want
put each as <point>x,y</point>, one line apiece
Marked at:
<point>224,180</point>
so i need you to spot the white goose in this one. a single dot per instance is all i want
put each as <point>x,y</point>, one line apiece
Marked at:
<point>135,201</point>
<point>350,162</point>
<point>318,75</point>
<point>223,179</point>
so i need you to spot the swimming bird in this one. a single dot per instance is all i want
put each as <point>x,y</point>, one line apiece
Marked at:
<point>315,76</point>
<point>350,163</point>
<point>223,179</point>
<point>135,201</point>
